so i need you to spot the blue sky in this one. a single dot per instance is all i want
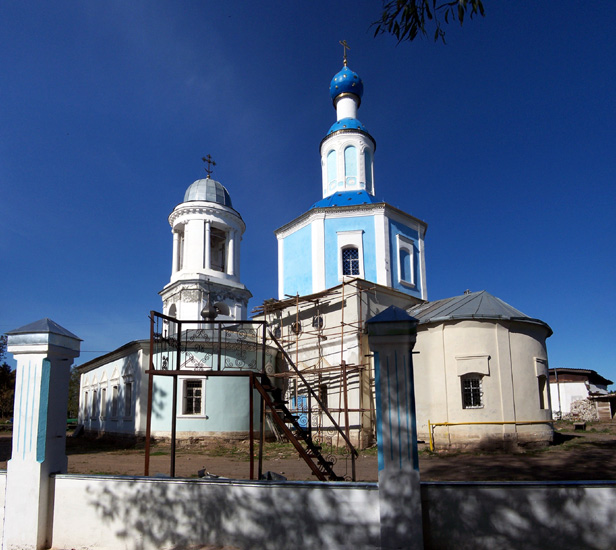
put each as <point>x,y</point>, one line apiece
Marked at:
<point>503,141</point>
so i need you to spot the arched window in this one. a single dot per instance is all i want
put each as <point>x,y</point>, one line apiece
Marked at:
<point>350,261</point>
<point>218,242</point>
<point>368,169</point>
<point>350,166</point>
<point>332,176</point>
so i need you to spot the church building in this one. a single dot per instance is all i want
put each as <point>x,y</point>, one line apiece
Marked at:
<point>480,367</point>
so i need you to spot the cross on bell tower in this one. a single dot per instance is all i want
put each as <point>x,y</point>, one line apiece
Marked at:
<point>210,164</point>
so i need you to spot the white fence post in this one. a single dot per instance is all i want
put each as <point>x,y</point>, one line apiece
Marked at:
<point>391,335</point>
<point>44,352</point>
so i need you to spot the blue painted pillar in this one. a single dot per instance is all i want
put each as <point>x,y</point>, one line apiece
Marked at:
<point>44,352</point>
<point>391,335</point>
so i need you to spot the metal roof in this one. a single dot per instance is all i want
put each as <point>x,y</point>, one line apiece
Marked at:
<point>472,305</point>
<point>208,190</point>
<point>347,198</point>
<point>44,326</point>
<point>392,314</point>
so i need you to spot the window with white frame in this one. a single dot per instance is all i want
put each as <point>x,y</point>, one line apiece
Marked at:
<point>350,254</point>
<point>472,393</point>
<point>192,397</point>
<point>406,261</point>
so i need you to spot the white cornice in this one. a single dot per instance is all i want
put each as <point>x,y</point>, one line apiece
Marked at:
<point>203,209</point>
<point>382,208</point>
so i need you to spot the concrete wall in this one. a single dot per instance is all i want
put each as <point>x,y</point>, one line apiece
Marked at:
<point>99,512</point>
<point>105,512</point>
<point>565,393</point>
<point>505,516</point>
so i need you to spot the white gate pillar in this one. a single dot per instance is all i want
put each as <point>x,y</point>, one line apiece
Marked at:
<point>44,352</point>
<point>391,335</point>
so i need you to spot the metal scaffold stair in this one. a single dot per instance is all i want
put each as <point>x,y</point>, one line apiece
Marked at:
<point>298,436</point>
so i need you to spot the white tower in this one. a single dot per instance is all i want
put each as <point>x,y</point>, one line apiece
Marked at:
<point>206,255</point>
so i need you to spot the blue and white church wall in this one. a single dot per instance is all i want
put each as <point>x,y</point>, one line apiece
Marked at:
<point>375,242</point>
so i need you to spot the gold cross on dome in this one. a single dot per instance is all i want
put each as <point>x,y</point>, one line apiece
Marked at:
<point>210,163</point>
<point>346,47</point>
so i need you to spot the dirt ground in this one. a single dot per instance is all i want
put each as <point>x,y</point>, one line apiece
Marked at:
<point>576,455</point>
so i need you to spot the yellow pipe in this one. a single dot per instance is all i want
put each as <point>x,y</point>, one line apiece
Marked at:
<point>431,425</point>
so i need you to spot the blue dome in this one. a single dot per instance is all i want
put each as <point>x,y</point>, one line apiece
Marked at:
<point>347,124</point>
<point>346,81</point>
<point>208,190</point>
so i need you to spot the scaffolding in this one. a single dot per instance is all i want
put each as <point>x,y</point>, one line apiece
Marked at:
<point>323,335</point>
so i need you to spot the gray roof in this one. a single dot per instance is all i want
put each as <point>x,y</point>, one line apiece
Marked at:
<point>208,190</point>
<point>474,305</point>
<point>44,326</point>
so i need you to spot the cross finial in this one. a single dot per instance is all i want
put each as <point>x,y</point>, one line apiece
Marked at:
<point>210,163</point>
<point>346,47</point>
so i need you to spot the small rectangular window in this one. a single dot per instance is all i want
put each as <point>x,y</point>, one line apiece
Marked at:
<point>103,402</point>
<point>114,401</point>
<point>128,399</point>
<point>193,397</point>
<point>472,396</point>
<point>94,404</point>
<point>543,393</point>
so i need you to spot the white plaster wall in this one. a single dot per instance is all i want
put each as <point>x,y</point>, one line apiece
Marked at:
<point>529,516</point>
<point>510,389</point>
<point>116,372</point>
<point>569,392</point>
<point>106,513</point>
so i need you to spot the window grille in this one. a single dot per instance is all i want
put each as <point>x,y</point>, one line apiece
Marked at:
<point>350,261</point>
<point>472,396</point>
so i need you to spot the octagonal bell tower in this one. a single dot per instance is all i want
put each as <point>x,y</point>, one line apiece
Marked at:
<point>205,270</point>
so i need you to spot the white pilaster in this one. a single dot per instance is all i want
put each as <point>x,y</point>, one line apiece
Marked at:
<point>318,254</point>
<point>208,245</point>
<point>280,268</point>
<point>231,253</point>
<point>176,252</point>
